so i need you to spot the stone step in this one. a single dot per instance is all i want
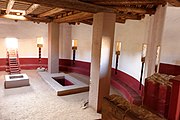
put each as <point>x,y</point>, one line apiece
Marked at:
<point>14,71</point>
<point>14,66</point>
<point>17,68</point>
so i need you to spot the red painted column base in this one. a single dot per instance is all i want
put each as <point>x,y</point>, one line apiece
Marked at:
<point>174,110</point>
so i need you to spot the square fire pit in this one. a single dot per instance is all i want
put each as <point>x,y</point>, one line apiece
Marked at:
<point>17,80</point>
<point>64,84</point>
<point>61,80</point>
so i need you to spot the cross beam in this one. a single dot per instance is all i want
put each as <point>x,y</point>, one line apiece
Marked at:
<point>71,4</point>
<point>9,6</point>
<point>32,8</point>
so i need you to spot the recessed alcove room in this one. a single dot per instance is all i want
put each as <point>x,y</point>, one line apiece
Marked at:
<point>89,59</point>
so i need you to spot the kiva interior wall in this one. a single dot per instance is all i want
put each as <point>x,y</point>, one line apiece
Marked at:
<point>131,35</point>
<point>83,33</point>
<point>26,32</point>
<point>170,52</point>
<point>65,38</point>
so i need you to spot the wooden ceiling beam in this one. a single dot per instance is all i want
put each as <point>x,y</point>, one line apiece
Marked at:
<point>51,12</point>
<point>118,20</point>
<point>136,10</point>
<point>126,2</point>
<point>74,17</point>
<point>9,6</point>
<point>175,3</point>
<point>71,4</point>
<point>12,11</point>
<point>130,16</point>
<point>32,8</point>
<point>13,17</point>
<point>25,18</point>
<point>88,22</point>
<point>38,20</point>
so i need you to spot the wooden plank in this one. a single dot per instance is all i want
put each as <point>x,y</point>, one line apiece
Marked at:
<point>72,4</point>
<point>88,22</point>
<point>126,2</point>
<point>119,20</point>
<point>13,17</point>
<point>9,6</point>
<point>25,18</point>
<point>51,12</point>
<point>131,17</point>
<point>136,10</point>
<point>32,8</point>
<point>74,17</point>
<point>38,20</point>
<point>175,3</point>
<point>13,12</point>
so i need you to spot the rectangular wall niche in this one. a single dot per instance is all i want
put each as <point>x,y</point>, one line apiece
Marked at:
<point>61,80</point>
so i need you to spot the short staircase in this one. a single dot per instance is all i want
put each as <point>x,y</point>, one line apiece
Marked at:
<point>13,61</point>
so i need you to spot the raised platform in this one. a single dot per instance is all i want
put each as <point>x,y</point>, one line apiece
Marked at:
<point>64,84</point>
<point>16,80</point>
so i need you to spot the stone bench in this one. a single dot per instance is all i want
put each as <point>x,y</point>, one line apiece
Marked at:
<point>75,69</point>
<point>115,107</point>
<point>127,92</point>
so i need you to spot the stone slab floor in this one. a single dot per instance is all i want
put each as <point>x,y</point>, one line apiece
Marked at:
<point>39,102</point>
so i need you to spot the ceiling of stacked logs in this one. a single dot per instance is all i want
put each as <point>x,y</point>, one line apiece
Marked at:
<point>77,11</point>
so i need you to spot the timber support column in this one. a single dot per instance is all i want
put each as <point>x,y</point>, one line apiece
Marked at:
<point>53,48</point>
<point>101,58</point>
<point>174,107</point>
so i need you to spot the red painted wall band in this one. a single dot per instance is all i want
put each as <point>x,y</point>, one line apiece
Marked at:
<point>28,62</point>
<point>169,69</point>
<point>84,68</point>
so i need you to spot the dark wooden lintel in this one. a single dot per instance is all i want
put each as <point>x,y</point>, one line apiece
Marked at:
<point>74,17</point>
<point>136,10</point>
<point>72,5</point>
<point>89,22</point>
<point>118,20</point>
<point>126,2</point>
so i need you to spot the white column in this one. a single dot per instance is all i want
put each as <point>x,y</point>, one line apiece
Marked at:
<point>53,48</point>
<point>154,38</point>
<point>101,58</point>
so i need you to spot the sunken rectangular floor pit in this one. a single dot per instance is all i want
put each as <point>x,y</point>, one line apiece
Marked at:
<point>62,81</point>
<point>16,80</point>
<point>64,84</point>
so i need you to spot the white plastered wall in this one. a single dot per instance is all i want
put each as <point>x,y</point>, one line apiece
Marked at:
<point>65,41</point>
<point>83,33</point>
<point>26,33</point>
<point>170,52</point>
<point>131,35</point>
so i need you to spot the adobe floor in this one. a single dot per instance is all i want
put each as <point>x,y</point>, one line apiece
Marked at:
<point>39,102</point>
